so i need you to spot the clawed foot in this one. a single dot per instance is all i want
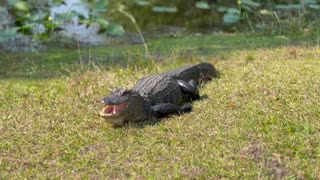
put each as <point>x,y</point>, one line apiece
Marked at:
<point>186,107</point>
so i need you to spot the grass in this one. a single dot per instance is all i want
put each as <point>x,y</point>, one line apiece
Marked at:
<point>260,118</point>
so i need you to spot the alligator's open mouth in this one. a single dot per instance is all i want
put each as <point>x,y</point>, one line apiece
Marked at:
<point>113,110</point>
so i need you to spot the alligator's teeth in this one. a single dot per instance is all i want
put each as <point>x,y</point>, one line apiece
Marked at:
<point>114,110</point>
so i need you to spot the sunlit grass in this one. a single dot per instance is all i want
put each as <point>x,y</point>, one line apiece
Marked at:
<point>260,118</point>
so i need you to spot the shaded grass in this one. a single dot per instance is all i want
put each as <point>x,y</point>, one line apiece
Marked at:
<point>58,62</point>
<point>260,120</point>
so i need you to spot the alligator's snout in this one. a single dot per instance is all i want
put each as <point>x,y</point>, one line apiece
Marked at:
<point>110,100</point>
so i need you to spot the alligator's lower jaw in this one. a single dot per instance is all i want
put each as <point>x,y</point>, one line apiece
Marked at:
<point>113,110</point>
<point>115,120</point>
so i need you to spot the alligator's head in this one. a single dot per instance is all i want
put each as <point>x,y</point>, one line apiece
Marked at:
<point>123,105</point>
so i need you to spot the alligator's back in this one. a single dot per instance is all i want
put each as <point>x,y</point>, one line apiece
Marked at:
<point>163,88</point>
<point>199,72</point>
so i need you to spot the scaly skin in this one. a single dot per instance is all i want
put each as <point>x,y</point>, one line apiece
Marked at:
<point>157,95</point>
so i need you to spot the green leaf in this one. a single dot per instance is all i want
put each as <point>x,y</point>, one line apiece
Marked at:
<point>233,11</point>
<point>314,6</point>
<point>11,2</point>
<point>222,9</point>
<point>308,1</point>
<point>58,1</point>
<point>64,16</point>
<point>22,19</point>
<point>261,26</point>
<point>115,30</point>
<point>142,3</point>
<point>289,7</point>
<point>22,6</point>
<point>231,18</point>
<point>46,17</point>
<point>295,6</point>
<point>246,7</point>
<point>2,9</point>
<point>7,34</point>
<point>103,23</point>
<point>162,9</point>
<point>101,5</point>
<point>26,29</point>
<point>266,12</point>
<point>202,5</point>
<point>42,36</point>
<point>251,3</point>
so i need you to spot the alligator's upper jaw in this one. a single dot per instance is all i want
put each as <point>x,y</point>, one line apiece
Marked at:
<point>113,110</point>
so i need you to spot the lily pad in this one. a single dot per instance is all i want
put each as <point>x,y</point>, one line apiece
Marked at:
<point>309,1</point>
<point>162,9</point>
<point>222,9</point>
<point>21,6</point>
<point>202,5</point>
<point>314,6</point>
<point>115,30</point>
<point>103,23</point>
<point>8,34</point>
<point>233,11</point>
<point>251,3</point>
<point>231,18</point>
<point>2,9</point>
<point>289,7</point>
<point>142,3</point>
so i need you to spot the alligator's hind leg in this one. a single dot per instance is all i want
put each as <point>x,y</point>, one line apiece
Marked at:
<point>164,109</point>
<point>190,88</point>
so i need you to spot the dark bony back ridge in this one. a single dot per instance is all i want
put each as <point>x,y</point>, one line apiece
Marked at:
<point>200,72</point>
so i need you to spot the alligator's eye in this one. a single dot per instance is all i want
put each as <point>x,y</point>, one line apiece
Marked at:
<point>117,90</point>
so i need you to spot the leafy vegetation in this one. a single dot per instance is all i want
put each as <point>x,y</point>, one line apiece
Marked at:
<point>275,17</point>
<point>260,118</point>
<point>37,18</point>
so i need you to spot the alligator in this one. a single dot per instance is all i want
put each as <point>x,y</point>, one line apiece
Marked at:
<point>157,95</point>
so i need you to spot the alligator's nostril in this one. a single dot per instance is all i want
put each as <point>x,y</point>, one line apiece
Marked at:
<point>104,100</point>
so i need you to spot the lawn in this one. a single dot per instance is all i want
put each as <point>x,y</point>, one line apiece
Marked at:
<point>260,119</point>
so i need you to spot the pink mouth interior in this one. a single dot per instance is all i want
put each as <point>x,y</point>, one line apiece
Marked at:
<point>114,109</point>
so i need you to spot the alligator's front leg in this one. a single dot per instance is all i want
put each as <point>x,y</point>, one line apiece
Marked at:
<point>190,88</point>
<point>164,109</point>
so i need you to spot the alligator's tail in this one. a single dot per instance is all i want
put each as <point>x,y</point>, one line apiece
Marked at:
<point>200,72</point>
